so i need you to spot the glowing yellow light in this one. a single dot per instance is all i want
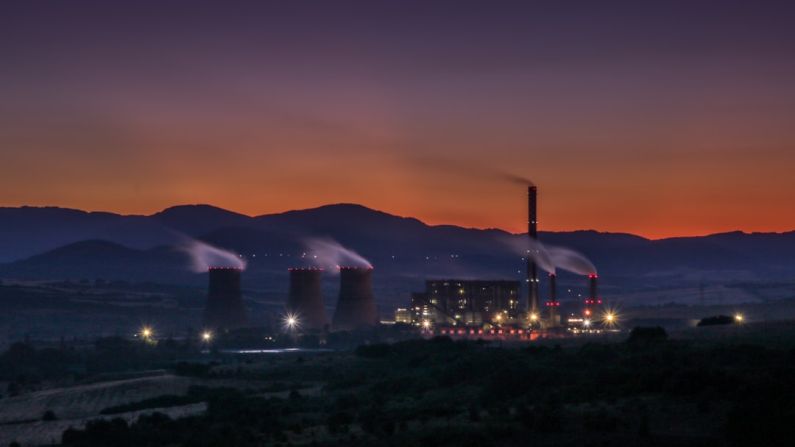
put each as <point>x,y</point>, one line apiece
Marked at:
<point>146,332</point>
<point>207,335</point>
<point>533,317</point>
<point>291,321</point>
<point>610,317</point>
<point>739,318</point>
<point>426,324</point>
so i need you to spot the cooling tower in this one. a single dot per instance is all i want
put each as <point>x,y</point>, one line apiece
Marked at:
<point>356,303</point>
<point>305,299</point>
<point>225,308</point>
<point>532,233</point>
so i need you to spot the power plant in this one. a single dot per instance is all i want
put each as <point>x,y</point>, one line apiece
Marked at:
<point>305,300</point>
<point>479,307</point>
<point>356,307</point>
<point>224,310</point>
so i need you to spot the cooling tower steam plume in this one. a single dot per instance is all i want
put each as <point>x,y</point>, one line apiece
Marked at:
<point>204,256</point>
<point>329,254</point>
<point>571,260</point>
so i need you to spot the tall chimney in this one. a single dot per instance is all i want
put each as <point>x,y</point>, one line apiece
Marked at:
<point>356,304</point>
<point>532,233</point>
<point>225,309</point>
<point>305,299</point>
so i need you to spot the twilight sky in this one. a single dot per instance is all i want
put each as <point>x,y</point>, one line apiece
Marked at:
<point>658,118</point>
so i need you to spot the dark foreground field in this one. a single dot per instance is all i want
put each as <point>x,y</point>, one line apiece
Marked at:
<point>720,388</point>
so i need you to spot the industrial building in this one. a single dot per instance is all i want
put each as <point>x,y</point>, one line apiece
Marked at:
<point>403,315</point>
<point>467,302</point>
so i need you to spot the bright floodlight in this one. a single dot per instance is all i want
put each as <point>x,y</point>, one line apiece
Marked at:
<point>291,321</point>
<point>146,332</point>
<point>586,323</point>
<point>533,317</point>
<point>739,318</point>
<point>610,317</point>
<point>426,324</point>
<point>207,336</point>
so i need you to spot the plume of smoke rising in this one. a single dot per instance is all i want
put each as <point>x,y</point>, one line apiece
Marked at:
<point>571,260</point>
<point>531,248</point>
<point>330,254</point>
<point>550,257</point>
<point>203,256</point>
<point>467,168</point>
<point>513,178</point>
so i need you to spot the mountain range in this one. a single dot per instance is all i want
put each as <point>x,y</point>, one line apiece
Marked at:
<point>58,243</point>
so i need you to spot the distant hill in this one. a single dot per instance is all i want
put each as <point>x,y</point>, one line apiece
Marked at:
<point>55,243</point>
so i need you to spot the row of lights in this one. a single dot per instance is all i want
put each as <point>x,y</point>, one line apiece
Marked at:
<point>148,334</point>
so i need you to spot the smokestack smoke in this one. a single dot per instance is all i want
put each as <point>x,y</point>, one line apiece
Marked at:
<point>550,257</point>
<point>329,254</point>
<point>205,256</point>
<point>571,260</point>
<point>516,179</point>
<point>531,248</point>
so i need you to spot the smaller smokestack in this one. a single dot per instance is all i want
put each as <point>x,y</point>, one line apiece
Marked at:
<point>553,303</point>
<point>593,296</point>
<point>594,289</point>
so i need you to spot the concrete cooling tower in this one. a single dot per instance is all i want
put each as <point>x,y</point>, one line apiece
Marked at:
<point>305,299</point>
<point>225,308</point>
<point>356,305</point>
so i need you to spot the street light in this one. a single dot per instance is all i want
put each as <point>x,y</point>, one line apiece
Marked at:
<point>207,336</point>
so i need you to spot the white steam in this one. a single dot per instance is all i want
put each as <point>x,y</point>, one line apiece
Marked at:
<point>549,257</point>
<point>571,260</point>
<point>329,254</point>
<point>204,256</point>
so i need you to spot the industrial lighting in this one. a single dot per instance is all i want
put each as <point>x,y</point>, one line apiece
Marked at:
<point>207,336</point>
<point>739,318</point>
<point>146,332</point>
<point>291,322</point>
<point>533,317</point>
